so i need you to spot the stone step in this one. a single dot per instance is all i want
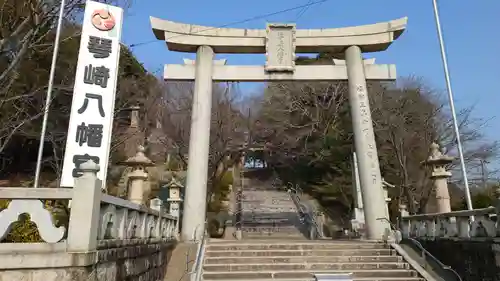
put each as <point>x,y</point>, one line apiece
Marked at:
<point>268,204</point>
<point>267,196</point>
<point>373,274</point>
<point>270,199</point>
<point>265,230</point>
<point>271,223</point>
<point>275,213</point>
<point>297,246</point>
<point>211,252</point>
<point>263,205</point>
<point>305,259</point>
<point>269,230</point>
<point>354,279</point>
<point>269,215</point>
<point>350,266</point>
<point>273,236</point>
<point>269,211</point>
<point>277,228</point>
<point>267,199</point>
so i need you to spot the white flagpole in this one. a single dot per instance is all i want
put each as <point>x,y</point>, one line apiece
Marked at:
<point>452,106</point>
<point>48,98</point>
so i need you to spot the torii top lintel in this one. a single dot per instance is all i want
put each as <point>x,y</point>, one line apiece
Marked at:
<point>182,37</point>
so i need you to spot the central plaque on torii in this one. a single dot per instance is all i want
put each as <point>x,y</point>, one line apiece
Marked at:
<point>280,47</point>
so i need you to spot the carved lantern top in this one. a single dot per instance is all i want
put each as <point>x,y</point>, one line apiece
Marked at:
<point>174,190</point>
<point>437,157</point>
<point>174,183</point>
<point>438,161</point>
<point>139,160</point>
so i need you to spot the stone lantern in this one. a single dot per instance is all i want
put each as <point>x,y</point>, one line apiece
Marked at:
<point>174,196</point>
<point>138,187</point>
<point>438,162</point>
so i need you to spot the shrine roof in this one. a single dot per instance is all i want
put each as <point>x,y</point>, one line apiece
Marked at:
<point>183,37</point>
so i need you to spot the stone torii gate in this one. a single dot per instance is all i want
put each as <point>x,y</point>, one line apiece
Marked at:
<point>280,43</point>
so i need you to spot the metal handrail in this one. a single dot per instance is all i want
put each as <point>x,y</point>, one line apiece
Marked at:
<point>424,252</point>
<point>196,272</point>
<point>293,191</point>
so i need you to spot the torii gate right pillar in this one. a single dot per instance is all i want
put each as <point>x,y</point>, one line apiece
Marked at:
<point>364,142</point>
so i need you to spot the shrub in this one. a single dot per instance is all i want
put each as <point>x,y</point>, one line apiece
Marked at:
<point>26,231</point>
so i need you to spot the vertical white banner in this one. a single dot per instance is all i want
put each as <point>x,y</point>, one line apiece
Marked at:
<point>92,108</point>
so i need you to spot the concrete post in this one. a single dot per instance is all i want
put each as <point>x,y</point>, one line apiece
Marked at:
<point>358,222</point>
<point>386,186</point>
<point>437,161</point>
<point>85,210</point>
<point>403,210</point>
<point>193,219</point>
<point>387,200</point>
<point>365,147</point>
<point>156,204</point>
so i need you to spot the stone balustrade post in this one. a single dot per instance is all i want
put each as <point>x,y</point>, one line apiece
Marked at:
<point>156,204</point>
<point>437,162</point>
<point>138,186</point>
<point>404,225</point>
<point>387,199</point>
<point>85,209</point>
<point>134,116</point>
<point>403,210</point>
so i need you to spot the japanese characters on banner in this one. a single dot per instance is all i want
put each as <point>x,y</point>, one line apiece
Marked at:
<point>91,120</point>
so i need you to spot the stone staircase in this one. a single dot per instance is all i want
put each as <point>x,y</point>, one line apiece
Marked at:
<point>294,260</point>
<point>269,213</point>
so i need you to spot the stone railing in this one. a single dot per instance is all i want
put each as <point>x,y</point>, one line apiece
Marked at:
<point>106,236</point>
<point>471,247</point>
<point>453,224</point>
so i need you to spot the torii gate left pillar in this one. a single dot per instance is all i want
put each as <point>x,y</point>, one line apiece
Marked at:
<point>280,42</point>
<point>195,203</point>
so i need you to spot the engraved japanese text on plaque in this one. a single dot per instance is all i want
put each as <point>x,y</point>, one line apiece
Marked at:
<point>280,47</point>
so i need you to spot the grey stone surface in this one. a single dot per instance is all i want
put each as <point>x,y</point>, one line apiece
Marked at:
<point>183,37</point>
<point>269,213</point>
<point>298,260</point>
<point>135,263</point>
<point>280,47</point>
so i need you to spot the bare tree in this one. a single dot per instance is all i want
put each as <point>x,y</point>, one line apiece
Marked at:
<point>27,31</point>
<point>407,119</point>
<point>307,128</point>
<point>226,128</point>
